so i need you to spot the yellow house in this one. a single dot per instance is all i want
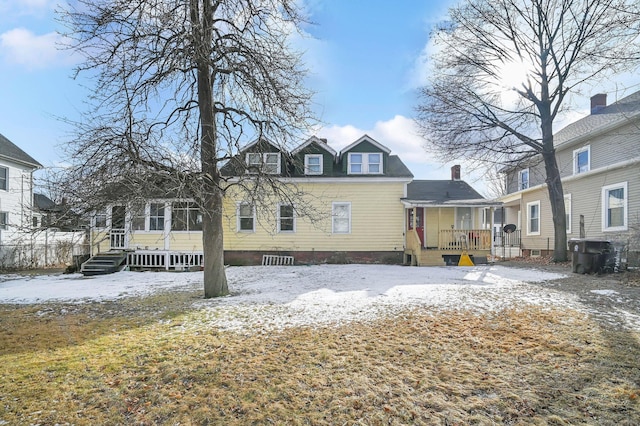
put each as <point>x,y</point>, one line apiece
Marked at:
<point>355,206</point>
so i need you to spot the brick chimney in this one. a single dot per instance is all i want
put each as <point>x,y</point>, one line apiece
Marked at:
<point>455,172</point>
<point>598,102</point>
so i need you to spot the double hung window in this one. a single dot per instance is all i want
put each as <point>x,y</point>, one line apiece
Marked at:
<point>341,214</point>
<point>313,164</point>
<point>533,218</point>
<point>614,207</point>
<point>245,213</point>
<point>185,216</point>
<point>582,160</point>
<point>268,162</point>
<point>286,218</point>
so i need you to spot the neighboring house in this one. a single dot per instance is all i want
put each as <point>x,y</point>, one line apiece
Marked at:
<point>351,206</point>
<point>599,161</point>
<point>445,217</point>
<point>48,214</point>
<point>16,191</point>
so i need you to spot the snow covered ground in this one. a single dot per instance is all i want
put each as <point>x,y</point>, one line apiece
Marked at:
<point>282,296</point>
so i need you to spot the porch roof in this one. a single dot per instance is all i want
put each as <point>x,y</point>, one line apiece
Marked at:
<point>444,193</point>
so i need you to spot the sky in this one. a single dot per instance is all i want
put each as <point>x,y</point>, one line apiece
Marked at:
<point>367,59</point>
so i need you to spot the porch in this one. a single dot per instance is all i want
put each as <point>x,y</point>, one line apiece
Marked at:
<point>451,243</point>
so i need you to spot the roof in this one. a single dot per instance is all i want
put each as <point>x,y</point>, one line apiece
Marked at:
<point>42,202</point>
<point>611,115</point>
<point>322,143</point>
<point>366,138</point>
<point>11,151</point>
<point>444,192</point>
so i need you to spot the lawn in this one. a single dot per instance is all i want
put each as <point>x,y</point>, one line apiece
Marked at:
<point>165,358</point>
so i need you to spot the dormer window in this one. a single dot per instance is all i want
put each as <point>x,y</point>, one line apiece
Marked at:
<point>313,164</point>
<point>268,162</point>
<point>365,163</point>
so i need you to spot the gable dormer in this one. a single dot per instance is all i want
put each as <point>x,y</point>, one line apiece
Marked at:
<point>314,158</point>
<point>365,156</point>
<point>262,156</point>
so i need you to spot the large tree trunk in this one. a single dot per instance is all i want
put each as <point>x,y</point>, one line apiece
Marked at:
<point>215,279</point>
<point>554,186</point>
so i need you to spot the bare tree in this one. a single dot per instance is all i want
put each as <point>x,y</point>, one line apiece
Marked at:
<point>472,108</point>
<point>180,85</point>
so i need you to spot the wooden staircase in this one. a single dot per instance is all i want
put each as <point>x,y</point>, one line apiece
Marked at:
<point>104,263</point>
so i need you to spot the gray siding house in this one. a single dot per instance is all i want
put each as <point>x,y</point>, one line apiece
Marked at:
<point>599,161</point>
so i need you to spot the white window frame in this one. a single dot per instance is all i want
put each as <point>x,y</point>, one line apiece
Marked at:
<point>605,207</point>
<point>4,181</point>
<point>365,164</point>
<point>521,183</point>
<point>334,216</point>
<point>156,217</point>
<point>4,223</point>
<point>104,221</point>
<point>292,217</point>
<point>136,217</point>
<point>307,166</point>
<point>529,218</point>
<point>567,211</point>
<point>190,208</point>
<point>239,217</point>
<point>576,153</point>
<point>260,161</point>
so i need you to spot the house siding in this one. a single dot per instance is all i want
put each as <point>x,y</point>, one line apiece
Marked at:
<point>376,221</point>
<point>16,200</point>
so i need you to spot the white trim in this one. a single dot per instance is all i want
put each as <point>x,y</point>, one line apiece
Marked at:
<point>306,164</point>
<point>520,181</point>
<point>319,142</point>
<point>529,205</point>
<point>346,179</point>
<point>605,207</point>
<point>263,163</point>
<point>238,217</point>
<point>577,152</point>
<point>366,138</point>
<point>278,218</point>
<point>6,179</point>
<point>365,164</point>
<point>567,197</point>
<point>334,204</point>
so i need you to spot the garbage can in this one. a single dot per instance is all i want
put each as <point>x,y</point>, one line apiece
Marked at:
<point>589,256</point>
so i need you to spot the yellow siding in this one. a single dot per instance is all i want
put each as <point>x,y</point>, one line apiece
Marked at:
<point>185,241</point>
<point>432,227</point>
<point>147,240</point>
<point>377,222</point>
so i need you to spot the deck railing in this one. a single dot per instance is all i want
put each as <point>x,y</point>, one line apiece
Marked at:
<point>468,239</point>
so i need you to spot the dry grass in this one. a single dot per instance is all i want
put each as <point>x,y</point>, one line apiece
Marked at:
<point>94,365</point>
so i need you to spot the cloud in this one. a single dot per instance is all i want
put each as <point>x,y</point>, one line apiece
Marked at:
<point>21,46</point>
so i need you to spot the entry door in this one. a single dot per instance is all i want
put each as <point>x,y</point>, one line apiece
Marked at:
<point>117,233</point>
<point>419,223</point>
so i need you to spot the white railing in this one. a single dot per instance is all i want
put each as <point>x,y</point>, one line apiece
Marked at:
<point>117,239</point>
<point>167,260</point>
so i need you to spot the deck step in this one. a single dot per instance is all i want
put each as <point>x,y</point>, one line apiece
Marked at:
<point>104,263</point>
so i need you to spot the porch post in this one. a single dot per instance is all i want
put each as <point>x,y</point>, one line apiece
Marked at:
<point>491,212</point>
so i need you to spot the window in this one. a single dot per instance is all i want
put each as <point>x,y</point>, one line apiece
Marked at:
<point>363,163</point>
<point>286,218</point>
<point>138,219</point>
<point>567,211</point>
<point>246,217</point>
<point>185,216</point>
<point>523,179</point>
<point>582,160</point>
<point>4,220</point>
<point>156,217</point>
<point>101,220</point>
<point>313,164</point>
<point>4,178</point>
<point>267,163</point>
<point>614,207</point>
<point>533,219</point>
<point>34,221</point>
<point>341,214</point>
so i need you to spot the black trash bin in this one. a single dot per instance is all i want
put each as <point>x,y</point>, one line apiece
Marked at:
<point>591,256</point>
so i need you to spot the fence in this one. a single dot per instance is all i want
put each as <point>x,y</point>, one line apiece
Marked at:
<point>43,250</point>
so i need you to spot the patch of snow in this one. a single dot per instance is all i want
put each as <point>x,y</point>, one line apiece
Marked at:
<point>605,292</point>
<point>275,297</point>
